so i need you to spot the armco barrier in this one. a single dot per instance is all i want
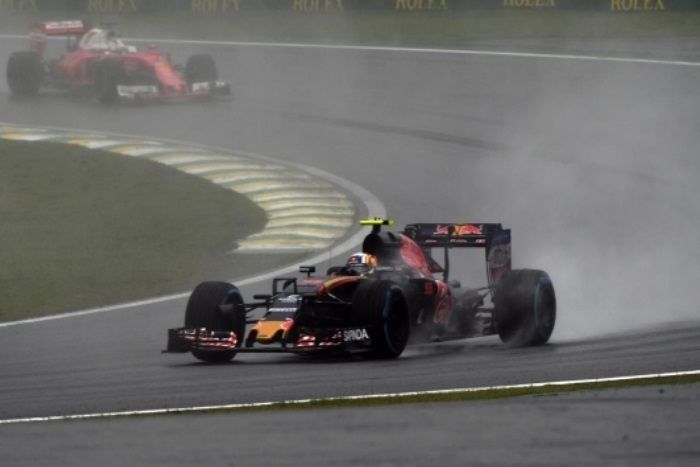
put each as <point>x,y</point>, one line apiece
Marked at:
<point>335,6</point>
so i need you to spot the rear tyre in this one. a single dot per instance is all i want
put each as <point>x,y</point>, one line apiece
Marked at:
<point>525,308</point>
<point>109,74</point>
<point>203,311</point>
<point>200,68</point>
<point>25,73</point>
<point>381,306</point>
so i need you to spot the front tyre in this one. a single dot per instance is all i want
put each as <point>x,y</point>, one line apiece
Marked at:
<point>25,73</point>
<point>204,311</point>
<point>381,306</point>
<point>200,68</point>
<point>525,308</point>
<point>109,74</point>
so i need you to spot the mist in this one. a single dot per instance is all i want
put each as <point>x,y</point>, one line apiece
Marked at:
<point>611,166</point>
<point>592,164</point>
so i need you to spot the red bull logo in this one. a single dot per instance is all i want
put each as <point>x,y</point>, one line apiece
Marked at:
<point>442,230</point>
<point>468,229</point>
<point>458,230</point>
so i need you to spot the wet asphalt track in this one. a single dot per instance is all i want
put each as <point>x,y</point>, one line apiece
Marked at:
<point>614,427</point>
<point>436,138</point>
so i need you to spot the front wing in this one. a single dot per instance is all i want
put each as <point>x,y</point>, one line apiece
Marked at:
<point>152,92</point>
<point>350,340</point>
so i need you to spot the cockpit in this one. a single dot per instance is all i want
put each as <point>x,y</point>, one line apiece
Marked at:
<point>104,40</point>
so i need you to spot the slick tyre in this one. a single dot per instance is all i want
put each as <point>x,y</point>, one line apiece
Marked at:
<point>109,74</point>
<point>525,308</point>
<point>381,306</point>
<point>25,73</point>
<point>204,311</point>
<point>200,68</point>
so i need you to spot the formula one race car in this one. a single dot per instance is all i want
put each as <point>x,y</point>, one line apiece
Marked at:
<point>98,63</point>
<point>384,297</point>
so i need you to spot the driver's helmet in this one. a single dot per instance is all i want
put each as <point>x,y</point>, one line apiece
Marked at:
<point>113,41</point>
<point>361,263</point>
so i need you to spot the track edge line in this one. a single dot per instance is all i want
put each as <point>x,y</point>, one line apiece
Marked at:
<point>444,395</point>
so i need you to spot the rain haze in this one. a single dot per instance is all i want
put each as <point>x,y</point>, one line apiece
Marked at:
<point>592,164</point>
<point>576,129</point>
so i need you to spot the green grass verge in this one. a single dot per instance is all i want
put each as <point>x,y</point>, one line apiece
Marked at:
<point>496,393</point>
<point>375,401</point>
<point>427,28</point>
<point>83,228</point>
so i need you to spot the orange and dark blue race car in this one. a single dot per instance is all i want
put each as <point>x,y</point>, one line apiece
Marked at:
<point>392,293</point>
<point>98,63</point>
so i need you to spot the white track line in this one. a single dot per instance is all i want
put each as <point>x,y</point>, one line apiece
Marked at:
<point>422,50</point>
<point>305,402</point>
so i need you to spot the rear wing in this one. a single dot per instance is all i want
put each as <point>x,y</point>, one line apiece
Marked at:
<point>59,28</point>
<point>454,235</point>
<point>42,29</point>
<point>490,236</point>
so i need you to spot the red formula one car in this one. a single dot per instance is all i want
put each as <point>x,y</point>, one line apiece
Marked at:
<point>98,63</point>
<point>391,293</point>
